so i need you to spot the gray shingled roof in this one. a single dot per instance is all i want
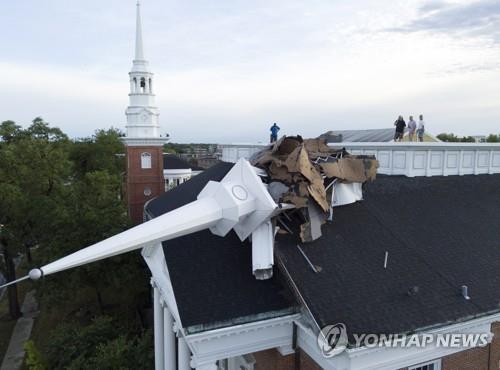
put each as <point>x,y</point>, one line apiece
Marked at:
<point>212,276</point>
<point>374,135</point>
<point>174,162</point>
<point>440,232</point>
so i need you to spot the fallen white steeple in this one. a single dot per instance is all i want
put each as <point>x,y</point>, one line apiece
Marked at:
<point>240,202</point>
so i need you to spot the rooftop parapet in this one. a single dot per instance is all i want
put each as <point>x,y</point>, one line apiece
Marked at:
<point>409,159</point>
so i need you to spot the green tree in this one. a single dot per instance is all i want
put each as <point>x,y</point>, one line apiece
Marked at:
<point>492,138</point>
<point>65,195</point>
<point>452,138</point>
<point>103,151</point>
<point>103,344</point>
<point>94,210</point>
<point>448,138</point>
<point>467,139</point>
<point>34,169</point>
<point>34,359</point>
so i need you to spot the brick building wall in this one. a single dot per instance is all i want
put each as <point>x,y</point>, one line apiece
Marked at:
<point>495,347</point>
<point>471,359</point>
<point>307,363</point>
<point>139,179</point>
<point>485,358</point>
<point>273,360</point>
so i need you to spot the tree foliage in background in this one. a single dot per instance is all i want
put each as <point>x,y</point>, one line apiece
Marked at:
<point>34,359</point>
<point>103,344</point>
<point>492,138</point>
<point>34,169</point>
<point>451,138</point>
<point>63,195</point>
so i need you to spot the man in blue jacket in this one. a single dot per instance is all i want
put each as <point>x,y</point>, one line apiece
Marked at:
<point>274,132</point>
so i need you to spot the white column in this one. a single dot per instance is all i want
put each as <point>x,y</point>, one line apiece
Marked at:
<point>428,164</point>
<point>476,164</point>
<point>158,332</point>
<point>184,355</point>
<point>460,159</point>
<point>169,339</point>
<point>490,164</point>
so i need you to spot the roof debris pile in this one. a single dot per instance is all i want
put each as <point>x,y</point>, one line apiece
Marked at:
<point>304,172</point>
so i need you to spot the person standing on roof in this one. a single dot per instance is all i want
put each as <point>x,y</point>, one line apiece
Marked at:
<point>421,129</point>
<point>400,129</point>
<point>412,127</point>
<point>274,132</point>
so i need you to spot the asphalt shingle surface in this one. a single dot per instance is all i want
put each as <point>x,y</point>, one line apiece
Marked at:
<point>440,232</point>
<point>212,276</point>
<point>174,162</point>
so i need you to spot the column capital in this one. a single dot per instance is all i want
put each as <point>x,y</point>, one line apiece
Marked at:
<point>286,350</point>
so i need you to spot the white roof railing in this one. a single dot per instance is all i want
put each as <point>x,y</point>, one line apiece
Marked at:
<point>430,159</point>
<point>409,159</point>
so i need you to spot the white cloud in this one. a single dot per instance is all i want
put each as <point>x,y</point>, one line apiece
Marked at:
<point>226,70</point>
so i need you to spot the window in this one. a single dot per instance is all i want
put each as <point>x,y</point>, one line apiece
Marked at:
<point>146,160</point>
<point>432,365</point>
<point>143,85</point>
<point>147,191</point>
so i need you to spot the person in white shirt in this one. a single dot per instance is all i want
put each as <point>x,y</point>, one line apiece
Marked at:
<point>412,126</point>
<point>421,128</point>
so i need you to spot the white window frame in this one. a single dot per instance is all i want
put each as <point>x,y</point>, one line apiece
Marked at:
<point>146,161</point>
<point>436,363</point>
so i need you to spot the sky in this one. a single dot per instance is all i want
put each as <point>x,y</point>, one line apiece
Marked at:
<point>225,70</point>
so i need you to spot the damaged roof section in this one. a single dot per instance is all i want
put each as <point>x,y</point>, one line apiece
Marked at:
<point>393,263</point>
<point>301,172</point>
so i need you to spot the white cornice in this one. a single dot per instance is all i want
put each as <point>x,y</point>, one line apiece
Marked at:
<point>153,141</point>
<point>237,340</point>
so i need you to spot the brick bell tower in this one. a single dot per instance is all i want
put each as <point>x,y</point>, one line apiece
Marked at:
<point>143,141</point>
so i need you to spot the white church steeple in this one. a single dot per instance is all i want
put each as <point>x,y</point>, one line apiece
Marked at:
<point>142,113</point>
<point>139,52</point>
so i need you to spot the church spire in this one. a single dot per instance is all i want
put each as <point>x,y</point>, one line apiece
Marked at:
<point>142,113</point>
<point>139,52</point>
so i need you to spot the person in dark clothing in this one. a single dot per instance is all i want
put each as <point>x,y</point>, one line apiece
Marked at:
<point>400,129</point>
<point>274,132</point>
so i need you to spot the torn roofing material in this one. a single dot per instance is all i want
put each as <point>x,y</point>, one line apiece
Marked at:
<point>440,233</point>
<point>304,166</point>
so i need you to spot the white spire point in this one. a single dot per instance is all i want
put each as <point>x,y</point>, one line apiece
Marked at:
<point>139,53</point>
